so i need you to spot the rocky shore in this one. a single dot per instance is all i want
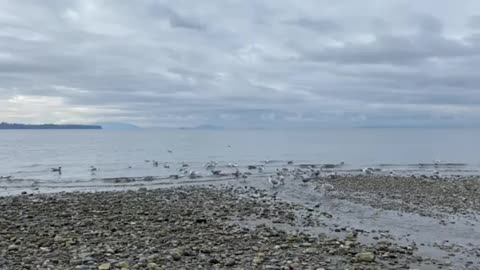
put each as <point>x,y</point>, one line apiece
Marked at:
<point>430,196</point>
<point>201,227</point>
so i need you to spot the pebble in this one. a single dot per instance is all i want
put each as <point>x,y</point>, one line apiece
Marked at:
<point>105,266</point>
<point>365,257</point>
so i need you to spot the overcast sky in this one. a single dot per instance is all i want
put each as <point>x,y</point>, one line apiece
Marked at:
<point>241,63</point>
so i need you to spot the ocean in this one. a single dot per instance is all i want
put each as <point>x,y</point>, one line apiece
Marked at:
<point>29,155</point>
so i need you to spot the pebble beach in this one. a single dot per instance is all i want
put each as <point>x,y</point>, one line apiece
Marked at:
<point>234,225</point>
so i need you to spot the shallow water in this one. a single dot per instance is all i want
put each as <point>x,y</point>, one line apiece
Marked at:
<point>29,154</point>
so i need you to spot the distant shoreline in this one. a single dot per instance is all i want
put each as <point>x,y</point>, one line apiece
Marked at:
<point>7,126</point>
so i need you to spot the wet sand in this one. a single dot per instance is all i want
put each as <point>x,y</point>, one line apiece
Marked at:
<point>368,222</point>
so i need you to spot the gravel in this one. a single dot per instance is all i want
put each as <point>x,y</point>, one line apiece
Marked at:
<point>196,227</point>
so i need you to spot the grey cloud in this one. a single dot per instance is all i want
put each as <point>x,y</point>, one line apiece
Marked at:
<point>395,50</point>
<point>428,23</point>
<point>474,22</point>
<point>178,21</point>
<point>317,25</point>
<point>264,64</point>
<point>175,18</point>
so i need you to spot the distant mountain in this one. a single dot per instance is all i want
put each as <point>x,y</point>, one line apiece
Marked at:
<point>117,126</point>
<point>4,125</point>
<point>209,127</point>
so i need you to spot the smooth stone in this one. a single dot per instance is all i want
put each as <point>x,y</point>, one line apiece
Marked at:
<point>13,247</point>
<point>230,262</point>
<point>105,266</point>
<point>365,257</point>
<point>123,265</point>
<point>153,266</point>
<point>214,261</point>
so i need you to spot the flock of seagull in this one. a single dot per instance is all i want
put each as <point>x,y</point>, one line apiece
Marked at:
<point>304,173</point>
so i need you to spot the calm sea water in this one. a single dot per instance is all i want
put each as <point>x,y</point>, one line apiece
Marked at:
<point>29,154</point>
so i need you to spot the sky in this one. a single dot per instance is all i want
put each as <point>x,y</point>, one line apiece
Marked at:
<point>241,63</point>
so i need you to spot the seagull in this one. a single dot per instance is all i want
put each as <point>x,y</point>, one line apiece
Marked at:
<point>93,169</point>
<point>305,179</point>
<point>216,172</point>
<point>210,165</point>
<point>367,171</point>
<point>281,179</point>
<point>244,176</point>
<point>231,165</point>
<point>290,162</point>
<point>59,170</point>
<point>170,151</point>
<point>193,175</point>
<point>237,173</point>
<point>273,182</point>
<point>260,169</point>
<point>166,166</point>
<point>332,175</point>
<point>184,164</point>
<point>325,188</point>
<point>328,187</point>
<point>155,163</point>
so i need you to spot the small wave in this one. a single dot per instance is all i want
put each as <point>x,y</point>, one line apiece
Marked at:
<point>35,165</point>
<point>442,164</point>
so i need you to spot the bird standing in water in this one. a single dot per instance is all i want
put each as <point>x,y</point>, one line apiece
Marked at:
<point>59,170</point>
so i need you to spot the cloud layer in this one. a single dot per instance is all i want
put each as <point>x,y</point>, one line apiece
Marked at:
<point>241,63</point>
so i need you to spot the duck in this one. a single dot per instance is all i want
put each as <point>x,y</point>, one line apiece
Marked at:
<point>59,170</point>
